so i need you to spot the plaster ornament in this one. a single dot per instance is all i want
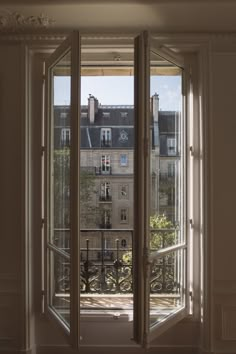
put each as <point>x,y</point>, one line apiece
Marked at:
<point>15,22</point>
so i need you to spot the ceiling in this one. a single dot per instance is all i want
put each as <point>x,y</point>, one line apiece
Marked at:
<point>126,15</point>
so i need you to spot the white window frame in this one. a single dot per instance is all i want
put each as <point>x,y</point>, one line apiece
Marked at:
<point>171,145</point>
<point>195,167</point>
<point>107,164</point>
<point>65,136</point>
<point>124,215</point>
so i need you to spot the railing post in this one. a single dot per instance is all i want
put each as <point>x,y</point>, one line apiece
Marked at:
<point>87,266</point>
<point>103,283</point>
<point>117,264</point>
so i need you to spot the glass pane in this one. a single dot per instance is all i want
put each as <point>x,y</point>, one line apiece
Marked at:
<point>167,274</point>
<point>167,286</point>
<point>106,179</point>
<point>60,154</point>
<point>166,154</point>
<point>60,286</point>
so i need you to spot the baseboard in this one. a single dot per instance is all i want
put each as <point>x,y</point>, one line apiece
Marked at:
<point>116,350</point>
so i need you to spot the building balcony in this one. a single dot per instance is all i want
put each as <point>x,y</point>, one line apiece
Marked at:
<point>105,198</point>
<point>100,171</point>
<point>105,225</point>
<point>106,143</point>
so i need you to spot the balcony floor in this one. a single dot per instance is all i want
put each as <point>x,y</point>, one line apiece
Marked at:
<point>124,302</point>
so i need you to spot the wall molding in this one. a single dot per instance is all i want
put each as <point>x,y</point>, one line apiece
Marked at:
<point>47,33</point>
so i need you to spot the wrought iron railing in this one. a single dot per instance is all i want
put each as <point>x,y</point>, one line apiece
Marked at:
<point>106,262</point>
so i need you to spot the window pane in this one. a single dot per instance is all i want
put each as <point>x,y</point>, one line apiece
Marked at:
<point>167,273</point>
<point>60,133</point>
<point>60,286</point>
<point>167,277</point>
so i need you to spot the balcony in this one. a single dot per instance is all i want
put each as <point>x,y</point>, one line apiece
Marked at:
<point>105,198</point>
<point>100,171</point>
<point>106,143</point>
<point>106,225</point>
<point>106,271</point>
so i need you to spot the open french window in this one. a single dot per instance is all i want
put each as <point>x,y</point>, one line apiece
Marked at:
<point>160,228</point>
<point>61,211</point>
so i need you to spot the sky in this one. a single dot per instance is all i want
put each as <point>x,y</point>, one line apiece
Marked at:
<point>119,90</point>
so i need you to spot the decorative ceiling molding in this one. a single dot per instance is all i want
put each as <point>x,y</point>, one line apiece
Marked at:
<point>15,22</point>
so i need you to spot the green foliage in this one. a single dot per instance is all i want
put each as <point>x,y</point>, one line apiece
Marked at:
<point>162,234</point>
<point>61,180</point>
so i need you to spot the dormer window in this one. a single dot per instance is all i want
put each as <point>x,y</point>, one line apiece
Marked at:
<point>171,146</point>
<point>65,137</point>
<point>84,114</point>
<point>124,114</point>
<point>106,114</point>
<point>106,137</point>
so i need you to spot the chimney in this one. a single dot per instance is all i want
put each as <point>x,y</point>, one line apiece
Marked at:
<point>92,108</point>
<point>155,107</point>
<point>154,111</point>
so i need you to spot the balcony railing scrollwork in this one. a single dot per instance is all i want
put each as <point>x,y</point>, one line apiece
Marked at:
<point>106,266</point>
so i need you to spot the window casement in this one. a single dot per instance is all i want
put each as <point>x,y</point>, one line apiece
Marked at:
<point>123,191</point>
<point>106,114</point>
<point>105,191</point>
<point>65,136</point>
<point>106,137</point>
<point>171,146</point>
<point>124,215</point>
<point>105,164</point>
<point>124,160</point>
<point>156,254</point>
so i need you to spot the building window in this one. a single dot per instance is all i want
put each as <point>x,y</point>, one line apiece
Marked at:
<point>171,169</point>
<point>65,137</point>
<point>63,115</point>
<point>105,194</point>
<point>106,219</point>
<point>105,164</point>
<point>106,114</point>
<point>123,191</point>
<point>124,114</point>
<point>123,216</point>
<point>123,160</point>
<point>84,114</point>
<point>171,146</point>
<point>106,137</point>
<point>123,243</point>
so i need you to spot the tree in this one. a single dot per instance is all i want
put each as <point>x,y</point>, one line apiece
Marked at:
<point>162,234</point>
<point>61,180</point>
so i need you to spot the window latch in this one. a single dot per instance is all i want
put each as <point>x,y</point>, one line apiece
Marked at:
<point>191,150</point>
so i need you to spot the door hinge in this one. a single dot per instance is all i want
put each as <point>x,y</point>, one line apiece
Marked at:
<point>42,150</point>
